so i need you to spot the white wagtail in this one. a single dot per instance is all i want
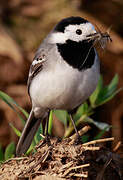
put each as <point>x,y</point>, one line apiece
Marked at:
<point>63,74</point>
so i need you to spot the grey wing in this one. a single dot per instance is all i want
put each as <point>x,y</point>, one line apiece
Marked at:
<point>36,66</point>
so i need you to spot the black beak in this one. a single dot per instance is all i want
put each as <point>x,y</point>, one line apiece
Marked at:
<point>93,35</point>
<point>99,36</point>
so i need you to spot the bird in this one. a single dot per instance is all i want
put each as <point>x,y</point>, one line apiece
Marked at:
<point>63,74</point>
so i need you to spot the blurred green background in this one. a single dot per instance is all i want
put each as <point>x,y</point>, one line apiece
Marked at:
<point>24,24</point>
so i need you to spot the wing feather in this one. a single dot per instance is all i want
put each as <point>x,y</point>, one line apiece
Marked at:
<point>36,66</point>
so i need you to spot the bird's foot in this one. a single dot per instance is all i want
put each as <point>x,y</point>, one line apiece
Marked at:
<point>47,139</point>
<point>78,140</point>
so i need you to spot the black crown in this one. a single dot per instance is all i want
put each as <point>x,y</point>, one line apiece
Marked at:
<point>60,27</point>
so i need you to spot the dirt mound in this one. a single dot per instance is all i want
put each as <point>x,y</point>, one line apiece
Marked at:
<point>64,159</point>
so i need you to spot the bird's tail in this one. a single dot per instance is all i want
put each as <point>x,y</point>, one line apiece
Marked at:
<point>28,133</point>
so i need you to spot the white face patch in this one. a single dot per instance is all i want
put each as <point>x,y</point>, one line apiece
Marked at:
<point>57,37</point>
<point>70,33</point>
<point>86,28</point>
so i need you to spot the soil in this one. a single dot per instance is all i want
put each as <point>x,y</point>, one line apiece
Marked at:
<point>65,159</point>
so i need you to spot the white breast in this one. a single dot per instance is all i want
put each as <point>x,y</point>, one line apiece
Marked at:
<point>62,87</point>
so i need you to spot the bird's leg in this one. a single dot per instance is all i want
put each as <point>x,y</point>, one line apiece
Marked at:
<point>78,137</point>
<point>47,124</point>
<point>47,139</point>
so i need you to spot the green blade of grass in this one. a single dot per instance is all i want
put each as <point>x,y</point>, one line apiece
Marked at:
<point>38,137</point>
<point>101,133</point>
<point>26,114</point>
<point>1,154</point>
<point>95,94</point>
<point>61,115</point>
<point>9,152</point>
<point>108,98</point>
<point>83,109</point>
<point>8,100</point>
<point>113,84</point>
<point>108,92</point>
<point>85,138</point>
<point>17,132</point>
<point>32,146</point>
<point>50,122</point>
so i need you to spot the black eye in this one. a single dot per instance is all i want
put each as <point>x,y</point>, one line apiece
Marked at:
<point>79,31</point>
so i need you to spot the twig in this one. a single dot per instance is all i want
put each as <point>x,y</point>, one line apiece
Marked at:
<point>117,146</point>
<point>41,144</point>
<point>81,132</point>
<point>76,167</point>
<point>85,174</point>
<point>81,166</point>
<point>66,166</point>
<point>87,148</point>
<point>42,136</point>
<point>101,173</point>
<point>42,159</point>
<point>16,158</point>
<point>99,141</point>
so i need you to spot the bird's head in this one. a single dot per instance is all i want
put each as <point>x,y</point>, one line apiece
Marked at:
<point>75,38</point>
<point>76,29</point>
<point>72,28</point>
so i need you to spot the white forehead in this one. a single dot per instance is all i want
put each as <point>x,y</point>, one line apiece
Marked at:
<point>85,27</point>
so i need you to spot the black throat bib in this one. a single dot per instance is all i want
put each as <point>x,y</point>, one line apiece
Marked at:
<point>80,55</point>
